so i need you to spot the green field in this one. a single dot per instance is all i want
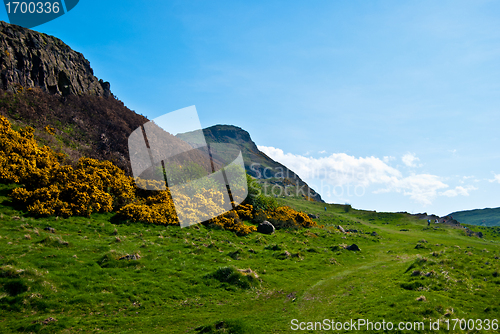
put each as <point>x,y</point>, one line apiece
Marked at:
<point>186,280</point>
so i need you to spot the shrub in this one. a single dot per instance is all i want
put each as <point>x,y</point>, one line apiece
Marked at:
<point>257,199</point>
<point>245,211</point>
<point>92,186</point>
<point>21,159</point>
<point>230,221</point>
<point>287,217</point>
<point>347,208</point>
<point>233,276</point>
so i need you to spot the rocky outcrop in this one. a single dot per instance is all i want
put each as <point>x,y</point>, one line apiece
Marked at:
<point>31,59</point>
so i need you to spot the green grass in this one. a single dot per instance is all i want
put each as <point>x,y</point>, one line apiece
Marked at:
<point>186,280</point>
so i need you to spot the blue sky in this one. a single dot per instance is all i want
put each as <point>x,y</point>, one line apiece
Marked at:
<point>399,100</point>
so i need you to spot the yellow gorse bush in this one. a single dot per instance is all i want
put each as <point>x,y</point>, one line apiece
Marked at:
<point>245,211</point>
<point>230,221</point>
<point>285,213</point>
<point>159,209</point>
<point>91,186</point>
<point>21,159</point>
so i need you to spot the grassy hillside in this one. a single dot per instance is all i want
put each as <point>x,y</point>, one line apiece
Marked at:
<point>186,280</point>
<point>480,217</point>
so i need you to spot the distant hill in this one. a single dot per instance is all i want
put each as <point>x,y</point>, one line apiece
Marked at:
<point>274,175</point>
<point>480,217</point>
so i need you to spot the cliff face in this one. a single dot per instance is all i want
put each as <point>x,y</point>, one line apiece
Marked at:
<point>31,59</point>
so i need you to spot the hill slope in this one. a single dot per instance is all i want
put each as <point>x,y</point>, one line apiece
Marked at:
<point>257,163</point>
<point>480,217</point>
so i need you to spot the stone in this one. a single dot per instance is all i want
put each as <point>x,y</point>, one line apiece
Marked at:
<point>266,228</point>
<point>416,273</point>
<point>374,234</point>
<point>49,320</point>
<point>50,229</point>
<point>341,229</point>
<point>353,247</point>
<point>131,257</point>
<point>249,272</point>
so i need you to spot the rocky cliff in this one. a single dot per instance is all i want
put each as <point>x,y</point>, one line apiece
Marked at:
<point>31,59</point>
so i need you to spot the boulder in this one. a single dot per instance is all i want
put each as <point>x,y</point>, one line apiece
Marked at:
<point>341,229</point>
<point>266,228</point>
<point>353,247</point>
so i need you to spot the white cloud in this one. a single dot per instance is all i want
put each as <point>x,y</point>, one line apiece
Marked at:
<point>388,159</point>
<point>496,178</point>
<point>468,179</point>
<point>322,152</point>
<point>464,191</point>
<point>340,170</point>
<point>421,188</point>
<point>410,160</point>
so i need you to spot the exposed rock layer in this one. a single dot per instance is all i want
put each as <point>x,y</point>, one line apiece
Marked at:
<point>31,59</point>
